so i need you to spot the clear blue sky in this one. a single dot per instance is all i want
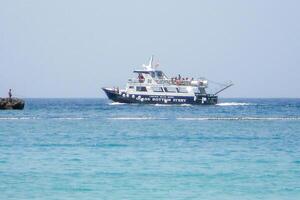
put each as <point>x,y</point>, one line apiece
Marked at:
<point>73,48</point>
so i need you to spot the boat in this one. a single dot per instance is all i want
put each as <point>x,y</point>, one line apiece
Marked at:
<point>152,86</point>
<point>11,104</point>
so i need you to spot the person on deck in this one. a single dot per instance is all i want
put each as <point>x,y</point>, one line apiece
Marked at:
<point>141,78</point>
<point>179,77</point>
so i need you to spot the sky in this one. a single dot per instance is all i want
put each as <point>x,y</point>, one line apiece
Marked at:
<point>73,48</point>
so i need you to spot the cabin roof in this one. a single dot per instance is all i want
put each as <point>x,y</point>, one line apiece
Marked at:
<point>141,71</point>
<point>146,71</point>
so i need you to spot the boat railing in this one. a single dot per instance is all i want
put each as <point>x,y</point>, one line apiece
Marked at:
<point>163,81</point>
<point>179,82</point>
<point>166,82</point>
<point>175,82</point>
<point>134,80</point>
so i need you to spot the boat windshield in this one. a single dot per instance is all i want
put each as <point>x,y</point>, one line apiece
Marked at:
<point>157,74</point>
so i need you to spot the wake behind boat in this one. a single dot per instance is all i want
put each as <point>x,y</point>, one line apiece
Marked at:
<point>152,86</point>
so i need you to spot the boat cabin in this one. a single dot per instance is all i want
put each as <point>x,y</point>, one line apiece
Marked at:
<point>157,82</point>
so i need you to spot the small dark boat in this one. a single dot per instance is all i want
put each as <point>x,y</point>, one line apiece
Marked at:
<point>11,103</point>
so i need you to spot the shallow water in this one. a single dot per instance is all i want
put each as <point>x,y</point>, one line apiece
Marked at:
<point>95,149</point>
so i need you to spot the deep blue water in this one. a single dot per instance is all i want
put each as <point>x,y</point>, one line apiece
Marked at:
<point>92,149</point>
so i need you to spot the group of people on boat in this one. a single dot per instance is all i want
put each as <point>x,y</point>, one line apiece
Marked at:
<point>141,78</point>
<point>181,80</point>
<point>174,80</point>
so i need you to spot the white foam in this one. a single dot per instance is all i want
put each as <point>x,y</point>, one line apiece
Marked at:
<point>9,118</point>
<point>137,118</point>
<point>116,103</point>
<point>69,118</point>
<point>17,118</point>
<point>185,104</point>
<point>158,104</point>
<point>37,118</point>
<point>238,118</point>
<point>233,104</point>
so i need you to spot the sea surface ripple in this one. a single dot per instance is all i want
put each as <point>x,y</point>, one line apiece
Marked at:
<point>95,149</point>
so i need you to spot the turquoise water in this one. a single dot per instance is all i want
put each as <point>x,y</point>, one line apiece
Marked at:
<point>92,149</point>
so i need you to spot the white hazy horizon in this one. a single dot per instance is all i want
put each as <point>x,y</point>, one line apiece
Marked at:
<point>73,48</point>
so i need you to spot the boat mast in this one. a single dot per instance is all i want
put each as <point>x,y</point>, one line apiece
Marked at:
<point>149,67</point>
<point>224,88</point>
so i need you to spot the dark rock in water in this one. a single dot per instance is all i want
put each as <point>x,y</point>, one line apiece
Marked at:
<point>13,103</point>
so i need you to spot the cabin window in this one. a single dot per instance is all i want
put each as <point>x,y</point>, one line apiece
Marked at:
<point>131,87</point>
<point>182,90</point>
<point>159,74</point>
<point>202,91</point>
<point>170,89</point>
<point>141,89</point>
<point>157,89</point>
<point>152,74</point>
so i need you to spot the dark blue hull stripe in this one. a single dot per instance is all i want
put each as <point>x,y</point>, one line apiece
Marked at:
<point>158,99</point>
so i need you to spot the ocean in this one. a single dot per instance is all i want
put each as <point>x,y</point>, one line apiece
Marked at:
<point>95,149</point>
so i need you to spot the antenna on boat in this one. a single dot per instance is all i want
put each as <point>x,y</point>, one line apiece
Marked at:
<point>224,88</point>
<point>150,65</point>
<point>151,61</point>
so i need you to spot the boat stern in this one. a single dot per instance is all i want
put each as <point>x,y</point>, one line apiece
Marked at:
<point>207,99</point>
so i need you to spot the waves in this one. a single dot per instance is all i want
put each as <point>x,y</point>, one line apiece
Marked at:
<point>210,118</point>
<point>164,105</point>
<point>137,118</point>
<point>116,104</point>
<point>40,118</point>
<point>234,104</point>
<point>69,118</point>
<point>18,118</point>
<point>232,110</point>
<point>238,118</point>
